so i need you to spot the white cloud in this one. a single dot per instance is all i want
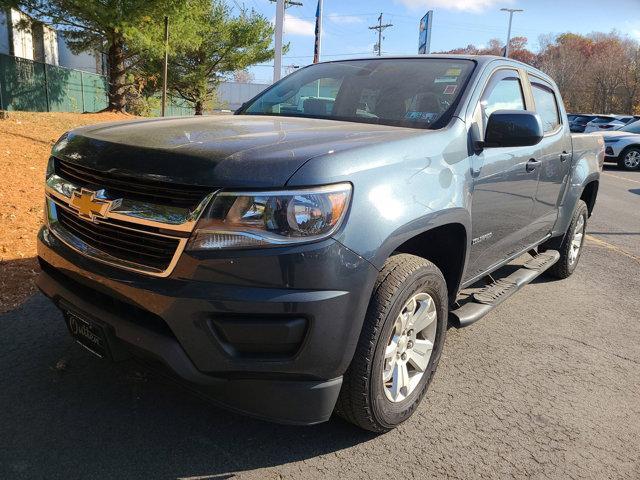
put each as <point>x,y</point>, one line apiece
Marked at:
<point>344,19</point>
<point>475,6</point>
<point>297,26</point>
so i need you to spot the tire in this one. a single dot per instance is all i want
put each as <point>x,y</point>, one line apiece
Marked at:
<point>569,258</point>
<point>630,159</point>
<point>365,399</point>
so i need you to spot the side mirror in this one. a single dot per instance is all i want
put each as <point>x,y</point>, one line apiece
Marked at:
<point>513,128</point>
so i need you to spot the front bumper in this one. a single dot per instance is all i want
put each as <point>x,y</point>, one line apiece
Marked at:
<point>189,321</point>
<point>613,150</point>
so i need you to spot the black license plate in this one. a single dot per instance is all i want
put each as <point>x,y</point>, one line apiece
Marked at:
<point>88,334</point>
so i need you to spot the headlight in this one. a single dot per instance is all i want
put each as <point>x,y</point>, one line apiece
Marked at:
<point>265,219</point>
<point>613,140</point>
<point>50,168</point>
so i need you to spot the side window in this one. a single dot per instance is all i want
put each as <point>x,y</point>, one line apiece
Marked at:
<point>504,92</point>
<point>546,106</point>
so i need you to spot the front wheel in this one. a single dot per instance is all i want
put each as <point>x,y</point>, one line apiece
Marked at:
<point>630,159</point>
<point>571,246</point>
<point>399,347</point>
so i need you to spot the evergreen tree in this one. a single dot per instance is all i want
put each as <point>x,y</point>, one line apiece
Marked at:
<point>226,44</point>
<point>128,32</point>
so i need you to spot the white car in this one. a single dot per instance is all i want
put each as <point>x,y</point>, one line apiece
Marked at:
<point>608,122</point>
<point>623,146</point>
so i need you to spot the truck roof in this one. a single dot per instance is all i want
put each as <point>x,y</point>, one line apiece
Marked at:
<point>481,60</point>
<point>476,58</point>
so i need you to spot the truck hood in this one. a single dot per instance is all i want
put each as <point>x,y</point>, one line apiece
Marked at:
<point>218,151</point>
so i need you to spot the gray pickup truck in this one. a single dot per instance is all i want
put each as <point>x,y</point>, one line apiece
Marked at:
<point>308,254</point>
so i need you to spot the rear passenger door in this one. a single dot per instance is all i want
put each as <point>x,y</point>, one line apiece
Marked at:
<point>554,152</point>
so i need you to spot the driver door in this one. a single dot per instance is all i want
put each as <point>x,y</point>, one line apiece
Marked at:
<point>504,188</point>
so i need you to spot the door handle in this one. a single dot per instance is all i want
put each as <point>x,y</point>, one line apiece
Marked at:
<point>532,164</point>
<point>564,156</point>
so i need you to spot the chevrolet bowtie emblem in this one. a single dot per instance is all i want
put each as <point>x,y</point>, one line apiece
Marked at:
<point>88,206</point>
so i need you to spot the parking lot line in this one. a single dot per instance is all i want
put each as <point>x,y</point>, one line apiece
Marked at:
<point>622,178</point>
<point>610,246</point>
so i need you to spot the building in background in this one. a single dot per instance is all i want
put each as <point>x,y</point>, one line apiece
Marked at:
<point>94,62</point>
<point>23,37</point>
<point>232,95</point>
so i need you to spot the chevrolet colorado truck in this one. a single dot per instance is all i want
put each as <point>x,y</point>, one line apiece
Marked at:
<point>307,254</point>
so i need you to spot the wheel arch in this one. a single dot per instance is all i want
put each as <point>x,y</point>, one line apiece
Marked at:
<point>446,247</point>
<point>589,194</point>
<point>629,147</point>
<point>625,150</point>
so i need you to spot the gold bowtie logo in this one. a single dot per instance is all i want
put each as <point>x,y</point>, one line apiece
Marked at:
<point>88,206</point>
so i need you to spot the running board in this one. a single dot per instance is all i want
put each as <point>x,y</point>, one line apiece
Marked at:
<point>482,302</point>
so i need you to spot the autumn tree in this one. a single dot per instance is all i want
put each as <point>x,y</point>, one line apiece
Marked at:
<point>517,50</point>
<point>243,76</point>
<point>228,43</point>
<point>631,76</point>
<point>599,72</point>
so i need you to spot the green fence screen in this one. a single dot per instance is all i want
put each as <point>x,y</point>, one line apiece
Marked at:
<point>37,87</point>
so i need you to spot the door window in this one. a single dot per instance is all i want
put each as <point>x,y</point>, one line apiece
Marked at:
<point>546,106</point>
<point>503,93</point>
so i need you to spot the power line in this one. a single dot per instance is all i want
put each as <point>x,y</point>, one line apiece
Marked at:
<point>380,28</point>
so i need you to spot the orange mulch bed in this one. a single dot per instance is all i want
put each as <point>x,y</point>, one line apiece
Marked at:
<point>26,139</point>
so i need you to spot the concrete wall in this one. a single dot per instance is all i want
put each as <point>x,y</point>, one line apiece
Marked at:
<point>22,37</point>
<point>50,41</point>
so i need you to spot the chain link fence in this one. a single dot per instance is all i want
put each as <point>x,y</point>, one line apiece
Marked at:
<point>38,87</point>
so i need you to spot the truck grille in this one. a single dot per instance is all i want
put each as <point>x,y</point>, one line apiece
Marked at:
<point>158,193</point>
<point>146,249</point>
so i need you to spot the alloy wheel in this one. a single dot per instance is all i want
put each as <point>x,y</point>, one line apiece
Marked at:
<point>409,347</point>
<point>632,159</point>
<point>576,241</point>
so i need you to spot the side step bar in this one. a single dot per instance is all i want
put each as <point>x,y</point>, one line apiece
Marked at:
<point>482,302</point>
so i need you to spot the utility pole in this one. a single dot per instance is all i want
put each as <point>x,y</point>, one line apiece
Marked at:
<point>511,12</point>
<point>277,43</point>
<point>317,48</point>
<point>380,28</point>
<point>164,67</point>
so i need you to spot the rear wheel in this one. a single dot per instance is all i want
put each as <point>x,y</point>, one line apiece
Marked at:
<point>571,245</point>
<point>630,159</point>
<point>399,347</point>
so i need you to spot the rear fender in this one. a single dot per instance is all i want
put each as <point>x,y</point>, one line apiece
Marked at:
<point>588,157</point>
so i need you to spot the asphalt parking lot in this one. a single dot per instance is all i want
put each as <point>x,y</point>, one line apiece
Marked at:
<point>547,386</point>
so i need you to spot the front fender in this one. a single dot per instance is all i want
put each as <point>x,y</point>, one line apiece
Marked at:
<point>400,188</point>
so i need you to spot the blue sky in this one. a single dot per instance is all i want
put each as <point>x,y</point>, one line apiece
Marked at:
<point>456,23</point>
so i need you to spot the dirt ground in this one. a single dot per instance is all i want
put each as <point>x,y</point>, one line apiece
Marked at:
<point>26,139</point>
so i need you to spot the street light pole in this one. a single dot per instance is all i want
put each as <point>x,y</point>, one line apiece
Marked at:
<point>277,60</point>
<point>511,12</point>
<point>281,5</point>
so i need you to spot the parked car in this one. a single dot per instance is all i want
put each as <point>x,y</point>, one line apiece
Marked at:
<point>623,146</point>
<point>608,123</point>
<point>297,262</point>
<point>577,123</point>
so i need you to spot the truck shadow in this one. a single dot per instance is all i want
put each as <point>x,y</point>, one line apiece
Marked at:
<point>66,414</point>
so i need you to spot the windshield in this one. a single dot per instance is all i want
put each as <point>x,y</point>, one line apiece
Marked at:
<point>631,128</point>
<point>419,93</point>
